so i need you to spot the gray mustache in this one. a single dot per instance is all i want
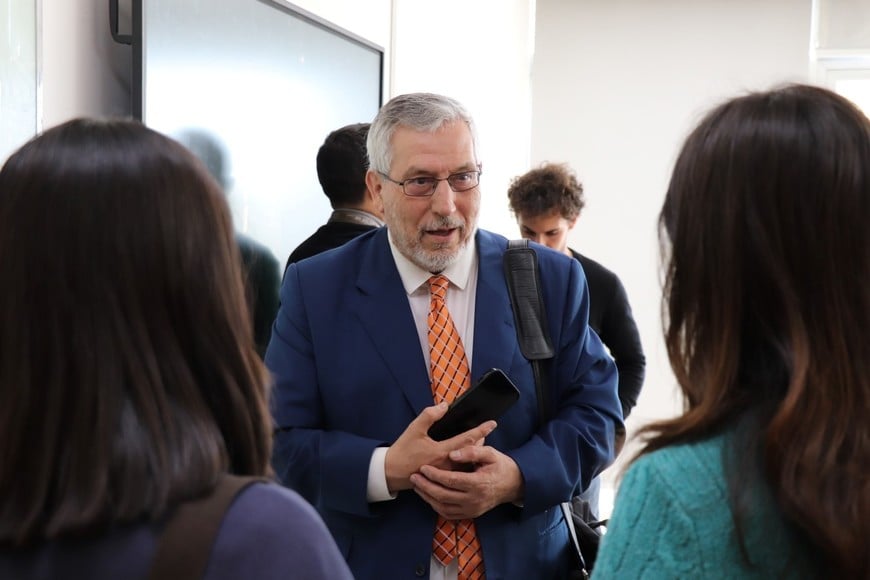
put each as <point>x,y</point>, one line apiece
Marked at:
<point>445,224</point>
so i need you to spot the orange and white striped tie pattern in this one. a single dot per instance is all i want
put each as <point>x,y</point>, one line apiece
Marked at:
<point>450,377</point>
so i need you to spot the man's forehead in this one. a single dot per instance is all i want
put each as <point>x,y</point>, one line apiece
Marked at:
<point>450,145</point>
<point>451,129</point>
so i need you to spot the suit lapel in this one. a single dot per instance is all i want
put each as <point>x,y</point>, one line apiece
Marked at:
<point>382,307</point>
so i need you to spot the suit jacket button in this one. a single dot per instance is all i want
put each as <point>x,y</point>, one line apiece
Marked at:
<point>420,570</point>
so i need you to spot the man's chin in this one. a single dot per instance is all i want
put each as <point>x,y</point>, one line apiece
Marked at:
<point>436,259</point>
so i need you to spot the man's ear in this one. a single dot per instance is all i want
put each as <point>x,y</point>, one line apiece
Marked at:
<point>374,185</point>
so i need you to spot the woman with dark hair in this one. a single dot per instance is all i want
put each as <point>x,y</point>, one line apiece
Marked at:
<point>129,383</point>
<point>767,251</point>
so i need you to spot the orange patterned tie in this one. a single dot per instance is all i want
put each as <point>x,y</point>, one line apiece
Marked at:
<point>450,377</point>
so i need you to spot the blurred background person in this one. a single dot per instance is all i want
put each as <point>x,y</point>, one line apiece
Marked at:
<point>129,383</point>
<point>547,202</point>
<point>767,261</point>
<point>261,267</point>
<point>341,169</point>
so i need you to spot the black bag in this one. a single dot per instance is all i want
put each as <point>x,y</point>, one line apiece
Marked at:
<point>588,529</point>
<point>521,273</point>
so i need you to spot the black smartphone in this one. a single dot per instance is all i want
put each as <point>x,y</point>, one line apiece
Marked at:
<point>493,394</point>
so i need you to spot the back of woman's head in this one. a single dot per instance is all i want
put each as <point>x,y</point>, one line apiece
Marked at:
<point>767,250</point>
<point>128,379</point>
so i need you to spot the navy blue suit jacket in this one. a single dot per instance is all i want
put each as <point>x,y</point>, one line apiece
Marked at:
<point>350,376</point>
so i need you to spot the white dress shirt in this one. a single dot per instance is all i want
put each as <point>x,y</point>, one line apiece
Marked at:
<point>461,294</point>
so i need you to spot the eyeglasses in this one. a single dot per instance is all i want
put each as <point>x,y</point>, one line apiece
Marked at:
<point>424,185</point>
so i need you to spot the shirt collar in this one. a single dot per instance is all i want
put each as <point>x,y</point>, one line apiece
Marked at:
<point>413,276</point>
<point>355,216</point>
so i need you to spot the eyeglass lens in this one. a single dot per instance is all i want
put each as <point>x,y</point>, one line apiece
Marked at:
<point>417,186</point>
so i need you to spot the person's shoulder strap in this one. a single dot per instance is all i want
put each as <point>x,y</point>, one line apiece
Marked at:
<point>524,286</point>
<point>527,302</point>
<point>184,546</point>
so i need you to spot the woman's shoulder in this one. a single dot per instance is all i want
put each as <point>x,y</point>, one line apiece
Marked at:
<point>262,503</point>
<point>673,509</point>
<point>692,475</point>
<point>269,530</point>
<point>698,454</point>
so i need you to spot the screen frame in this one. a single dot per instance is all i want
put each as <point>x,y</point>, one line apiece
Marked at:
<point>138,86</point>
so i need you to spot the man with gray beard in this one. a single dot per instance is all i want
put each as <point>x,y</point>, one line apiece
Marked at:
<point>373,340</point>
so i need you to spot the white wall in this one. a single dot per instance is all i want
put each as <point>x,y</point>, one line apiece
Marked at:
<point>479,52</point>
<point>84,72</point>
<point>19,74</point>
<point>616,85</point>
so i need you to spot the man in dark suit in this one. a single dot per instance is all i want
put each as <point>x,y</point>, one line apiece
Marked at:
<point>341,170</point>
<point>357,350</point>
<point>262,281</point>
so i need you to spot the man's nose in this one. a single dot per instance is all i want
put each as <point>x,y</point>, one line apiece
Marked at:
<point>443,199</point>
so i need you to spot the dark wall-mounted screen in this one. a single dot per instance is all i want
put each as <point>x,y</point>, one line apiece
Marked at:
<point>267,82</point>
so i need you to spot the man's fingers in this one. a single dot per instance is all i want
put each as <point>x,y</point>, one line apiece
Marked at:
<point>437,486</point>
<point>452,504</point>
<point>472,436</point>
<point>446,510</point>
<point>451,480</point>
<point>431,414</point>
<point>472,454</point>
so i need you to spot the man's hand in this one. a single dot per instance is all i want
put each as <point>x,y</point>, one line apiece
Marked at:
<point>459,495</point>
<point>414,448</point>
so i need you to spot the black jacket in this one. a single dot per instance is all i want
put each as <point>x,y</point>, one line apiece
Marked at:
<point>610,317</point>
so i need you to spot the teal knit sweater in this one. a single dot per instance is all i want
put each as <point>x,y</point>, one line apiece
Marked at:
<point>672,519</point>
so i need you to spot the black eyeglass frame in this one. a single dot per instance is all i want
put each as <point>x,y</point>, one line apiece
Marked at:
<point>435,182</point>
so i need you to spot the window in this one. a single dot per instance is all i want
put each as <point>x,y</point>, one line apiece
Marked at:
<point>267,81</point>
<point>840,48</point>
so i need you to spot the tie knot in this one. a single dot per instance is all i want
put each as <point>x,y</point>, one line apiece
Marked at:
<point>438,287</point>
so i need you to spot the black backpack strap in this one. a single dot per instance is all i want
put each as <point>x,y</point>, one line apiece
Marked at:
<point>527,301</point>
<point>524,287</point>
<point>184,546</point>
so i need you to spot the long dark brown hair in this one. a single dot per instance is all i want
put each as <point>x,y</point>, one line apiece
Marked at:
<point>128,376</point>
<point>766,243</point>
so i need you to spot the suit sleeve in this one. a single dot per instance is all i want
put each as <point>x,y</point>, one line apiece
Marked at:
<point>328,467</point>
<point>577,442</point>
